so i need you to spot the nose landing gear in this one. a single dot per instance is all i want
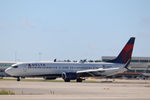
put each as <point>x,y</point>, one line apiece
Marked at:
<point>18,78</point>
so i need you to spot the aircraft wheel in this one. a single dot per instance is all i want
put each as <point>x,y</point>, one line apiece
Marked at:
<point>18,78</point>
<point>67,80</point>
<point>79,80</point>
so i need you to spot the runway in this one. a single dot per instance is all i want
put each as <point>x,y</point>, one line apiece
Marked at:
<point>119,90</point>
<point>61,97</point>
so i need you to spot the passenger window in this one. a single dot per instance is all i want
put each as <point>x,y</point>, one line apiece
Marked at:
<point>15,66</point>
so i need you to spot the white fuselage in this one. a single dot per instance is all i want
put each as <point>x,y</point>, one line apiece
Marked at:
<point>57,68</point>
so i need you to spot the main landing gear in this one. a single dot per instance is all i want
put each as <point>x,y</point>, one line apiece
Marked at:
<point>67,80</point>
<point>77,80</point>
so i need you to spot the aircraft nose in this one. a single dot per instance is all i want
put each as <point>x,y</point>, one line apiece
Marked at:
<point>9,71</point>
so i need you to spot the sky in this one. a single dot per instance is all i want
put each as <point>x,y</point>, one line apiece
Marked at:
<point>33,30</point>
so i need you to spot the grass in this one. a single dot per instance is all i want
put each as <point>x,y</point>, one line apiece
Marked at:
<point>72,81</point>
<point>4,92</point>
<point>42,80</point>
<point>31,80</point>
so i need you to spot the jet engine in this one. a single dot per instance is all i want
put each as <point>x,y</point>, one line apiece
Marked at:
<point>67,76</point>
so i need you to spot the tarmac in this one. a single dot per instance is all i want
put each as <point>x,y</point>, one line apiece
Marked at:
<point>96,90</point>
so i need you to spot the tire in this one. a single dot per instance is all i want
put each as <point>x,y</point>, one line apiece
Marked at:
<point>18,78</point>
<point>67,80</point>
<point>79,80</point>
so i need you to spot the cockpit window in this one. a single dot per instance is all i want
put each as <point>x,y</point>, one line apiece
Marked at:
<point>15,66</point>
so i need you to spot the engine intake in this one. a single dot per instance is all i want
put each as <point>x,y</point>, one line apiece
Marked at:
<point>69,75</point>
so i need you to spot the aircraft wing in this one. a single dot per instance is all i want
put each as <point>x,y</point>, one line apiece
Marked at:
<point>93,72</point>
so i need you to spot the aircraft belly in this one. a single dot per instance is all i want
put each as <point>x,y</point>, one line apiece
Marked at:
<point>32,72</point>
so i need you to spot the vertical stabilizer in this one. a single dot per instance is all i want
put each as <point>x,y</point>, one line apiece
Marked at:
<point>125,54</point>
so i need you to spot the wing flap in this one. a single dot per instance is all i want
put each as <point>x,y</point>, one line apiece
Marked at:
<point>93,72</point>
<point>90,72</point>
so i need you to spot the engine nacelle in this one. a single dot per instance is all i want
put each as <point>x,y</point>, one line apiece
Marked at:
<point>69,75</point>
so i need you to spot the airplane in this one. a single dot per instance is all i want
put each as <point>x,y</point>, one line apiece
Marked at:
<point>74,70</point>
<point>3,66</point>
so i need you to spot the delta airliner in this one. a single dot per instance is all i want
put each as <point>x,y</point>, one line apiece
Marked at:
<point>73,70</point>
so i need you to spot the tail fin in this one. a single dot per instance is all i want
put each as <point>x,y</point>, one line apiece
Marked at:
<point>125,54</point>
